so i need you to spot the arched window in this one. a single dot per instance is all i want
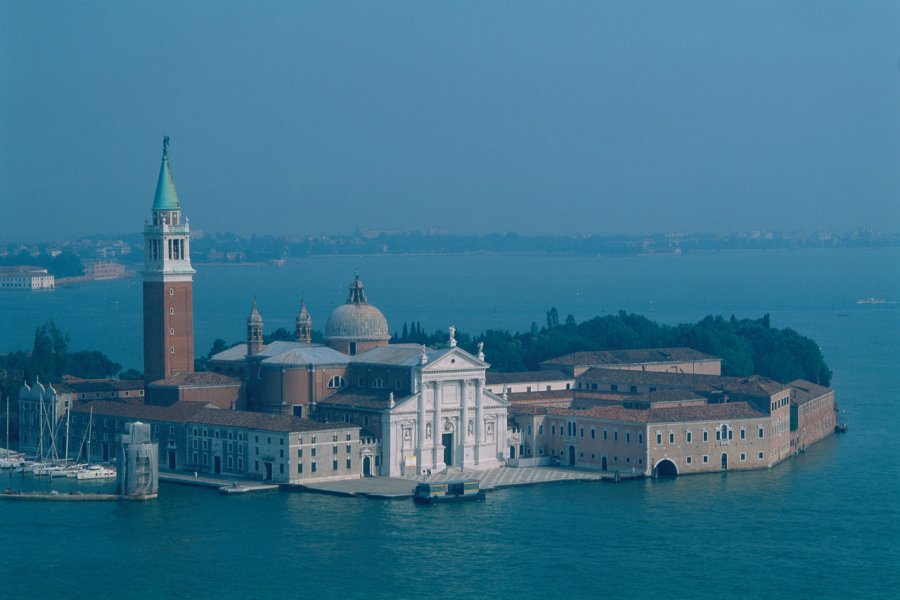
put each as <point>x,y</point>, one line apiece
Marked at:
<point>378,383</point>
<point>336,382</point>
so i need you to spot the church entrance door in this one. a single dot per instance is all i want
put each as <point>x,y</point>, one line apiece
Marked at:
<point>447,440</point>
<point>367,467</point>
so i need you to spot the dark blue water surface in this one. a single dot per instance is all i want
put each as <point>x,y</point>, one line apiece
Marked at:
<point>825,524</point>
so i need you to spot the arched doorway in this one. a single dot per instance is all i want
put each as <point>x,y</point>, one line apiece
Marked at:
<point>604,465</point>
<point>571,456</point>
<point>724,461</point>
<point>512,452</point>
<point>665,468</point>
<point>367,466</point>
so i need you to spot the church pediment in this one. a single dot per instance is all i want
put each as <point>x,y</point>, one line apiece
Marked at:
<point>455,359</point>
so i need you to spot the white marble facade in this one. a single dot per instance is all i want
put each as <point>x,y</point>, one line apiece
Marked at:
<point>450,420</point>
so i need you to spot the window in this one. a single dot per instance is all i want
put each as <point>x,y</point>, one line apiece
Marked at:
<point>171,430</point>
<point>627,437</point>
<point>313,440</point>
<point>194,443</point>
<point>336,382</point>
<point>348,437</point>
<point>633,389</point>
<point>743,456</point>
<point>582,432</point>
<point>194,457</point>
<point>760,456</point>
<point>614,388</point>
<point>705,435</point>
<point>705,459</point>
<point>349,449</point>
<point>658,438</point>
<point>688,436</point>
<point>312,452</point>
<point>540,430</point>
<point>313,466</point>
<point>671,437</point>
<point>230,462</point>
<point>282,453</point>
<point>688,460</point>
<point>743,433</point>
<point>762,433</point>
<point>529,430</point>
<point>334,437</point>
<point>378,383</point>
<point>171,311</point>
<point>299,467</point>
<point>334,449</point>
<point>593,433</point>
<point>553,429</point>
<point>615,436</point>
<point>605,434</point>
<point>528,388</point>
<point>240,463</point>
<point>334,465</point>
<point>349,464</point>
<point>640,438</point>
<point>171,331</point>
<point>281,468</point>
<point>300,453</point>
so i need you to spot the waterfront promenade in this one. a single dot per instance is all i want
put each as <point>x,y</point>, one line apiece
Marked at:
<point>390,488</point>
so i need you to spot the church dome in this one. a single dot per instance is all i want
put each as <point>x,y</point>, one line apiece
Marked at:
<point>357,320</point>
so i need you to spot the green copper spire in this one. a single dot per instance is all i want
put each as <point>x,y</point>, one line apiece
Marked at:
<point>166,198</point>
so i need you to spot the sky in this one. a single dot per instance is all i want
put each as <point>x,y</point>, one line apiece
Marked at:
<point>303,118</point>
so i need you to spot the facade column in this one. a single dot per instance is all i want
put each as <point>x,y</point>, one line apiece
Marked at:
<point>438,458</point>
<point>479,418</point>
<point>463,423</point>
<point>420,434</point>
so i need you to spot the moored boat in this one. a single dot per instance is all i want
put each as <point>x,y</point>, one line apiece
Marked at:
<point>432,492</point>
<point>96,472</point>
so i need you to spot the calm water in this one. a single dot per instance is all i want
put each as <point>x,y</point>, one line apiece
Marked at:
<point>825,524</point>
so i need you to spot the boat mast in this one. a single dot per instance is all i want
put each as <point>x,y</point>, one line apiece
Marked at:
<point>90,434</point>
<point>68,418</point>
<point>40,455</point>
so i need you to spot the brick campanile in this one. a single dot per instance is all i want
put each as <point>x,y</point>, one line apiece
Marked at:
<point>168,284</point>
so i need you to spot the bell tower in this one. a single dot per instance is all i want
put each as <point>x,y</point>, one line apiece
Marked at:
<point>254,331</point>
<point>168,283</point>
<point>303,325</point>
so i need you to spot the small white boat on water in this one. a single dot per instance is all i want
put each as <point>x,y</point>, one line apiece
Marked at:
<point>96,472</point>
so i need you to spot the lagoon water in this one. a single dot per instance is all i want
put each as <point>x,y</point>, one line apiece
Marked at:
<point>824,524</point>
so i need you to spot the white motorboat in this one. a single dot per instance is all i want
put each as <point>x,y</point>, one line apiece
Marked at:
<point>96,472</point>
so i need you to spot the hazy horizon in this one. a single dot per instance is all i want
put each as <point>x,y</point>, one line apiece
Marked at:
<point>476,117</point>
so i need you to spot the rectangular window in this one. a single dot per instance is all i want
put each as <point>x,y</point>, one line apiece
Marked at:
<point>627,437</point>
<point>688,436</point>
<point>312,452</point>
<point>743,433</point>
<point>582,432</point>
<point>762,433</point>
<point>299,467</point>
<point>171,430</point>
<point>760,456</point>
<point>743,457</point>
<point>540,430</point>
<point>658,439</point>
<point>705,435</point>
<point>313,467</point>
<point>593,433</point>
<point>334,449</point>
<point>640,438</point>
<point>671,437</point>
<point>240,463</point>
<point>349,464</point>
<point>615,436</point>
<point>349,449</point>
<point>688,460</point>
<point>529,430</point>
<point>334,465</point>
<point>300,453</point>
<point>605,433</point>
<point>705,459</point>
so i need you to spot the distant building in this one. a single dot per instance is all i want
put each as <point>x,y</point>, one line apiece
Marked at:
<point>26,278</point>
<point>669,360</point>
<point>103,269</point>
<point>525,382</point>
<point>662,423</point>
<point>227,443</point>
